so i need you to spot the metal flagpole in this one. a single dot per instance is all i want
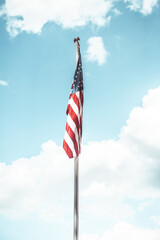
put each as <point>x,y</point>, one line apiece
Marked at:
<point>76,196</point>
<point>76,172</point>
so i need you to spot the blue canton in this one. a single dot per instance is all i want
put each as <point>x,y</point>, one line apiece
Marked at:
<point>78,78</point>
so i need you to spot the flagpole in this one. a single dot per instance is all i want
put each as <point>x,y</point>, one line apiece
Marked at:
<point>76,172</point>
<point>76,196</point>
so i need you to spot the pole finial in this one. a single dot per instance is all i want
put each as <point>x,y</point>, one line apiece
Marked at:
<point>76,39</point>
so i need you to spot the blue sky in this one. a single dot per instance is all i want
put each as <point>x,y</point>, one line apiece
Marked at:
<point>119,177</point>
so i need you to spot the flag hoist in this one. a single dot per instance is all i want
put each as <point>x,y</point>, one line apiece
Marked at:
<point>73,132</point>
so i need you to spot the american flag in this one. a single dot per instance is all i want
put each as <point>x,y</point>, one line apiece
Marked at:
<point>73,132</point>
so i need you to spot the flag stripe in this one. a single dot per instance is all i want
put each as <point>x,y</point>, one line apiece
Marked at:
<point>74,105</point>
<point>70,143</point>
<point>67,149</point>
<point>73,115</point>
<point>73,127</point>
<point>72,136</point>
<point>75,98</point>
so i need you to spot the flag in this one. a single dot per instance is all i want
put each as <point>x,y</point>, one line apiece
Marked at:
<point>73,131</point>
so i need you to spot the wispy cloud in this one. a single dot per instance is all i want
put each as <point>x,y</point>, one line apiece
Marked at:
<point>3,83</point>
<point>96,51</point>
<point>116,12</point>
<point>145,7</point>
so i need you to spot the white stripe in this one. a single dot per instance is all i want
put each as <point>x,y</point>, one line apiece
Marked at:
<point>70,143</point>
<point>73,127</point>
<point>74,106</point>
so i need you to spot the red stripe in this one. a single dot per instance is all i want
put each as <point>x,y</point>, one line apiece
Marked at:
<point>79,148</point>
<point>81,98</point>
<point>72,136</point>
<point>67,149</point>
<point>80,130</point>
<point>73,116</point>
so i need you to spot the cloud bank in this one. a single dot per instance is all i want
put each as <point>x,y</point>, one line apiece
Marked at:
<point>111,172</point>
<point>31,16</point>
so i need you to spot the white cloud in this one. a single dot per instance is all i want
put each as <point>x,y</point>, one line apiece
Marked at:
<point>3,83</point>
<point>143,6</point>
<point>32,185</point>
<point>143,124</point>
<point>148,6</point>
<point>89,237</point>
<point>96,50</point>
<point>127,168</point>
<point>110,172</point>
<point>126,231</point>
<point>31,16</point>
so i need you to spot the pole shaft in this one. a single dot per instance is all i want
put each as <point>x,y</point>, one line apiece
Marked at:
<point>77,52</point>
<point>76,174</point>
<point>76,195</point>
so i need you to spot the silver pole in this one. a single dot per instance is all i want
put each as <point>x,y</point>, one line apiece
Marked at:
<point>76,172</point>
<point>76,196</point>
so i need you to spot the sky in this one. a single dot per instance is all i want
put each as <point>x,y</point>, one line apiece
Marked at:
<point>119,194</point>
